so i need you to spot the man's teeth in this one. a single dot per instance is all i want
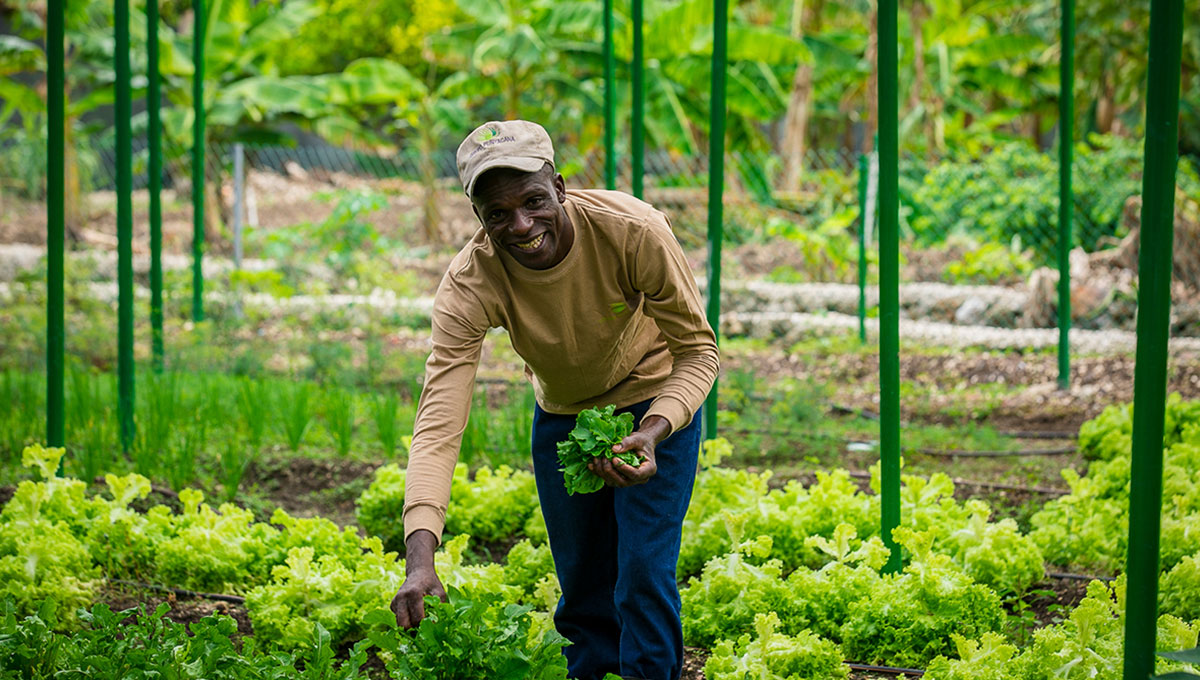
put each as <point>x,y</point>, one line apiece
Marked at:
<point>532,245</point>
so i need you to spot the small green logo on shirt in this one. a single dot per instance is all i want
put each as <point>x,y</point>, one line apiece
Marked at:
<point>615,310</point>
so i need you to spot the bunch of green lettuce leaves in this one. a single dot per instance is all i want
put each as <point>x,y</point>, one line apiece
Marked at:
<point>596,432</point>
<point>484,636</point>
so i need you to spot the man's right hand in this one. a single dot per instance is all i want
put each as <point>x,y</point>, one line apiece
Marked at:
<point>420,579</point>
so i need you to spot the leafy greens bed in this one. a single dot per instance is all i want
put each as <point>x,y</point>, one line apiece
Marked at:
<point>808,555</point>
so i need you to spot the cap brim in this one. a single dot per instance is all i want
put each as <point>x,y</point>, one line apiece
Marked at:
<point>523,163</point>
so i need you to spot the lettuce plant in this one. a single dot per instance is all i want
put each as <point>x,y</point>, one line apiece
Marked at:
<point>596,432</point>
<point>476,638</point>
<point>770,655</point>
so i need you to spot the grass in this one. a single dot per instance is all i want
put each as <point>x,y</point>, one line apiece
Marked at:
<point>234,460</point>
<point>252,399</point>
<point>383,411</point>
<point>340,412</point>
<point>293,414</point>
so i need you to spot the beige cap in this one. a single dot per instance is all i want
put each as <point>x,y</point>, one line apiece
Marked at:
<point>517,144</point>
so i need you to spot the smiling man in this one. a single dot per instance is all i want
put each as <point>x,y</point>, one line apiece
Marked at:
<point>598,300</point>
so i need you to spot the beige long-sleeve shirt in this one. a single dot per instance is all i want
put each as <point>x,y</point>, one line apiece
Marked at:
<point>618,321</point>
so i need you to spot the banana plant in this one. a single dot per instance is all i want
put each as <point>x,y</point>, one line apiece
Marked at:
<point>542,59</point>
<point>246,98</point>
<point>89,84</point>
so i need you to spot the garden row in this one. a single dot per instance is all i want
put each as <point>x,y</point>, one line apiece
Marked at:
<point>809,555</point>
<point>191,424</point>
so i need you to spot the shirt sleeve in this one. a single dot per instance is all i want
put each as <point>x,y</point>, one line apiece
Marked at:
<point>661,273</point>
<point>459,326</point>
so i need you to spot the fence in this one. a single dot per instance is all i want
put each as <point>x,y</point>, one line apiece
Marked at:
<point>1004,201</point>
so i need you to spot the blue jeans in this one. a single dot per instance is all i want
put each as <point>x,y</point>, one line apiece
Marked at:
<point>615,553</point>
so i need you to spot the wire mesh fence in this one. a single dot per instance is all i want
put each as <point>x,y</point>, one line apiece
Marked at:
<point>988,218</point>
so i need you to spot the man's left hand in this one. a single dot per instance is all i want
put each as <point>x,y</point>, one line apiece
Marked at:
<point>616,472</point>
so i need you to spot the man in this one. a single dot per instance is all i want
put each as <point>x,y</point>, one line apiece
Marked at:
<point>599,302</point>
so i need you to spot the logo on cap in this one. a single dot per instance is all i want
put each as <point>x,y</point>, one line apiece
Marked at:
<point>487,133</point>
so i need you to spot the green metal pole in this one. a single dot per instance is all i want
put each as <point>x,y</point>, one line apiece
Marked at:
<point>124,226</point>
<point>610,101</point>
<point>198,162</point>
<point>1153,328</point>
<point>863,169</point>
<point>153,105</point>
<point>1066,125</point>
<point>55,224</point>
<point>889,278</point>
<point>716,192</point>
<point>639,102</point>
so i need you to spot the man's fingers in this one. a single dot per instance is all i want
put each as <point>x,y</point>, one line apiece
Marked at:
<point>631,475</point>
<point>641,473</point>
<point>409,608</point>
<point>400,608</point>
<point>416,611</point>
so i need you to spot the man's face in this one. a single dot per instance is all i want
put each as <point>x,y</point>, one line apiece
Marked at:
<point>523,213</point>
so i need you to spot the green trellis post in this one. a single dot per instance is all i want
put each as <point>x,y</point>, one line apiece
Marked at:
<point>124,225</point>
<point>153,104</point>
<point>1066,124</point>
<point>198,161</point>
<point>716,192</point>
<point>610,101</point>
<point>55,224</point>
<point>638,150</point>
<point>1153,330</point>
<point>863,169</point>
<point>889,278</point>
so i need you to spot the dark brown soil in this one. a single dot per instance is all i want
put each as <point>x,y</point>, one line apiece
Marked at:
<point>120,598</point>
<point>694,659</point>
<point>1053,608</point>
<point>307,487</point>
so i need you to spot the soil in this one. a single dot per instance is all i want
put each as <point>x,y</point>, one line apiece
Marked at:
<point>307,487</point>
<point>1057,597</point>
<point>183,610</point>
<point>694,659</point>
<point>1028,384</point>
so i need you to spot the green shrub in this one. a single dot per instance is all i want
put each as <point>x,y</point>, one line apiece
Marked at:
<point>1010,196</point>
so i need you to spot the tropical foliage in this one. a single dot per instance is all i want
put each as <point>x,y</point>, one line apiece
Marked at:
<point>972,73</point>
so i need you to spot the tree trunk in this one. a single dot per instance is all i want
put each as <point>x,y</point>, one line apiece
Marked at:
<point>428,169</point>
<point>917,13</point>
<point>872,57</point>
<point>805,20</point>
<point>935,123</point>
<point>74,211</point>
<point>216,212</point>
<point>1106,107</point>
<point>74,214</point>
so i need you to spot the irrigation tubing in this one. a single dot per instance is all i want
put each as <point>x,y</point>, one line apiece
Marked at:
<point>927,452</point>
<point>1037,434</point>
<point>885,669</point>
<point>950,453</point>
<point>154,488</point>
<point>1079,577</point>
<point>180,592</point>
<point>991,486</point>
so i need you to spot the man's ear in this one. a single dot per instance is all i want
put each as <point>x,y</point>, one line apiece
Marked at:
<point>560,188</point>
